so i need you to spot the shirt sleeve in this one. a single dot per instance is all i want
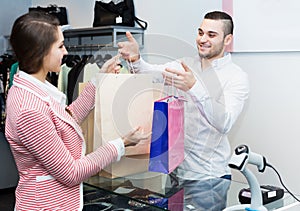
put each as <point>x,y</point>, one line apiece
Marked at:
<point>43,142</point>
<point>221,104</point>
<point>141,66</point>
<point>119,145</point>
<point>84,104</point>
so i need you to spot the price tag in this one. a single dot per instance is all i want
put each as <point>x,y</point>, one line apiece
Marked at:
<point>119,19</point>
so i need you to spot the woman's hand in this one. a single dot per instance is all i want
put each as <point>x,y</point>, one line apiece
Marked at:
<point>134,137</point>
<point>112,65</point>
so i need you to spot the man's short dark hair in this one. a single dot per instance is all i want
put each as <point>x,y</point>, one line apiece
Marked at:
<point>227,19</point>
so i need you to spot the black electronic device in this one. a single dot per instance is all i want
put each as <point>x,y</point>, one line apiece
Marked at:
<point>269,194</point>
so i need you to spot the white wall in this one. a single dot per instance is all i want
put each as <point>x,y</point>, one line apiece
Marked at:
<point>270,122</point>
<point>281,30</point>
<point>9,11</point>
<point>80,13</point>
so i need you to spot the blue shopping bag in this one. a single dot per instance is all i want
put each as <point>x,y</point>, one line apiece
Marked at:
<point>167,140</point>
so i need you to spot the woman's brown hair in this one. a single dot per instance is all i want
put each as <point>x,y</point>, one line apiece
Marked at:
<point>31,38</point>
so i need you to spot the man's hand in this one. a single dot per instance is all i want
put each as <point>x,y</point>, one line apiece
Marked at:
<point>183,80</point>
<point>129,50</point>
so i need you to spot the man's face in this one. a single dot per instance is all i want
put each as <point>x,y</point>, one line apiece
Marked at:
<point>210,40</point>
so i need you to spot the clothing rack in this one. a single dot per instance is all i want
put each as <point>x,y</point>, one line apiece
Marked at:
<point>86,47</point>
<point>100,37</point>
<point>5,44</point>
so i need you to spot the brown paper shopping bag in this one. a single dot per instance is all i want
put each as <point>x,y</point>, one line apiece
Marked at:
<point>87,126</point>
<point>123,101</point>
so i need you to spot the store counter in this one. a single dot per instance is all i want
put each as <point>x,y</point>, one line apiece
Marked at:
<point>154,191</point>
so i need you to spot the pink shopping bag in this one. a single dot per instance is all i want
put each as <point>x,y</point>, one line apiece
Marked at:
<point>167,141</point>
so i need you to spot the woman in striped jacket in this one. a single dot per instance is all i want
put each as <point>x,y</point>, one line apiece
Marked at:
<point>44,133</point>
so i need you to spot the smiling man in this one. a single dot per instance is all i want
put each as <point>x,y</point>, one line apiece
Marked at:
<point>216,90</point>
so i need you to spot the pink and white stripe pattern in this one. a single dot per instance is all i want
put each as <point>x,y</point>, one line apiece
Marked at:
<point>48,147</point>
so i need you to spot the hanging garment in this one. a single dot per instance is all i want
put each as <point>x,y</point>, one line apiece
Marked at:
<point>13,70</point>
<point>74,77</point>
<point>62,83</point>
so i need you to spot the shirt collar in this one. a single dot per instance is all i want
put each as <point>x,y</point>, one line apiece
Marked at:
<point>47,87</point>
<point>218,63</point>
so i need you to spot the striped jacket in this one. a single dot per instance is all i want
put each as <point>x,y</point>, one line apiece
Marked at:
<point>48,146</point>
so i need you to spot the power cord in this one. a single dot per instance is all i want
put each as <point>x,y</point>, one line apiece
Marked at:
<point>269,165</point>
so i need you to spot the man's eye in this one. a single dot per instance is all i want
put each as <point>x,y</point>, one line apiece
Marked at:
<point>211,35</point>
